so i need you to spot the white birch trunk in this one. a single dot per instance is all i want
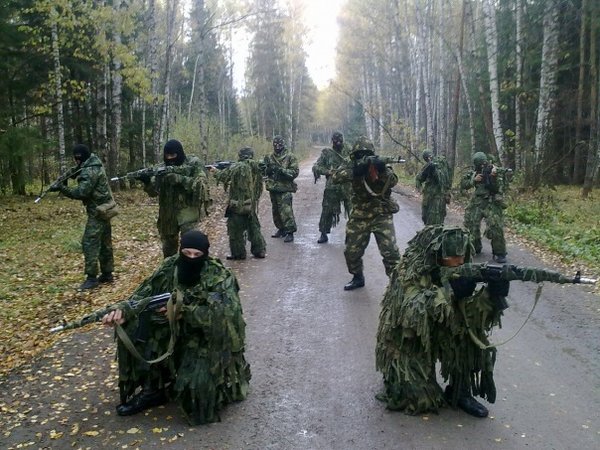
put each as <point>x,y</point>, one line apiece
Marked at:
<point>547,85</point>
<point>518,85</point>
<point>60,121</point>
<point>491,38</point>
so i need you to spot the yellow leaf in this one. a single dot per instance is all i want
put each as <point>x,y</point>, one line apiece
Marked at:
<point>157,430</point>
<point>75,429</point>
<point>55,434</point>
<point>91,433</point>
<point>133,431</point>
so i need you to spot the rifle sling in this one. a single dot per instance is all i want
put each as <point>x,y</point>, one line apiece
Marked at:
<point>483,346</point>
<point>173,308</point>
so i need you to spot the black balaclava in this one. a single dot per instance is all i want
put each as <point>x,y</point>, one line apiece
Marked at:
<point>278,145</point>
<point>245,154</point>
<point>188,269</point>
<point>81,153</point>
<point>337,141</point>
<point>173,147</point>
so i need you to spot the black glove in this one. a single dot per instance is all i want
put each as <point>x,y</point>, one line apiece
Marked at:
<point>463,287</point>
<point>144,178</point>
<point>360,168</point>
<point>498,288</point>
<point>379,164</point>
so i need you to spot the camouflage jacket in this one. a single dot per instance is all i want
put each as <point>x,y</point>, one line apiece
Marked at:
<point>243,181</point>
<point>370,198</point>
<point>281,171</point>
<point>92,185</point>
<point>328,162</point>
<point>183,195</point>
<point>490,186</point>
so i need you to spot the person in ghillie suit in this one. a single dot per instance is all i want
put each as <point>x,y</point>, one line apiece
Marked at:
<point>197,344</point>
<point>441,307</point>
<point>434,183</point>
<point>183,195</point>
<point>334,195</point>
<point>281,169</point>
<point>372,210</point>
<point>423,320</point>
<point>243,181</point>
<point>93,190</point>
<point>488,202</point>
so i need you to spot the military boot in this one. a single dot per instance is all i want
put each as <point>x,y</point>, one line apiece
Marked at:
<point>466,402</point>
<point>146,398</point>
<point>233,257</point>
<point>289,237</point>
<point>106,277</point>
<point>278,234</point>
<point>358,281</point>
<point>500,259</point>
<point>89,283</point>
<point>323,238</point>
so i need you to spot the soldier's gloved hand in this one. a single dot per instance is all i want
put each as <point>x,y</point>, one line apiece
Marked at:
<point>360,168</point>
<point>498,288</point>
<point>379,164</point>
<point>462,287</point>
<point>145,178</point>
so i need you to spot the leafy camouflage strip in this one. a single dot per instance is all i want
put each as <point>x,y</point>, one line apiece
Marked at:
<point>208,368</point>
<point>434,183</point>
<point>240,227</point>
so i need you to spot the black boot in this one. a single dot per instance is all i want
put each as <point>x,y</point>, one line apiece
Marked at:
<point>323,238</point>
<point>278,234</point>
<point>106,278</point>
<point>500,259</point>
<point>145,399</point>
<point>289,237</point>
<point>89,283</point>
<point>232,257</point>
<point>466,402</point>
<point>358,281</point>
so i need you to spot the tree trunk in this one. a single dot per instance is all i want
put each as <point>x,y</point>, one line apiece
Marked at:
<point>518,85</point>
<point>578,153</point>
<point>58,97</point>
<point>154,77</point>
<point>547,97</point>
<point>116,113</point>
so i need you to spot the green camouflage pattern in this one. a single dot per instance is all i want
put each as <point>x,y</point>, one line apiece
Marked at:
<point>334,195</point>
<point>281,170</point>
<point>208,369</point>
<point>433,185</point>
<point>243,181</point>
<point>486,203</point>
<point>93,190</point>
<point>183,199</point>
<point>423,322</point>
<point>372,209</point>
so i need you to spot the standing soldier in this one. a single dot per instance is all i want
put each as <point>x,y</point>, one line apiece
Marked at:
<point>372,209</point>
<point>183,195</point>
<point>281,168</point>
<point>487,202</point>
<point>334,194</point>
<point>94,191</point>
<point>243,181</point>
<point>434,184</point>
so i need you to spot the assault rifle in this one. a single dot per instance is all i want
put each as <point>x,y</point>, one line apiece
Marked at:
<point>484,272</point>
<point>391,159</point>
<point>146,172</point>
<point>64,177</point>
<point>219,165</point>
<point>486,173</point>
<point>147,304</point>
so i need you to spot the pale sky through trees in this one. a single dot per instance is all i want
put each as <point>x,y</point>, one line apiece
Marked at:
<point>320,43</point>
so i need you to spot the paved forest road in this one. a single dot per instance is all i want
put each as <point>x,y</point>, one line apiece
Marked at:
<point>311,348</point>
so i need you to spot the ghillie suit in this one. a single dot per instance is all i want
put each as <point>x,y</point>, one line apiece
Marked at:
<point>434,183</point>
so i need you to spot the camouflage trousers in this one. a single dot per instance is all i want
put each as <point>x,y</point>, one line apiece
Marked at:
<point>283,214</point>
<point>433,209</point>
<point>332,208</point>
<point>241,227</point>
<point>486,208</point>
<point>358,234</point>
<point>97,246</point>
<point>170,242</point>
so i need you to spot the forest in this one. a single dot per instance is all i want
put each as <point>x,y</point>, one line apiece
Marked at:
<point>517,79</point>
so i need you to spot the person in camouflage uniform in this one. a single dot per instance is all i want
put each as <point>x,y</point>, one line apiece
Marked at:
<point>200,341</point>
<point>183,195</point>
<point>372,209</point>
<point>440,308</point>
<point>281,168</point>
<point>334,194</point>
<point>93,190</point>
<point>433,183</point>
<point>487,202</point>
<point>243,181</point>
